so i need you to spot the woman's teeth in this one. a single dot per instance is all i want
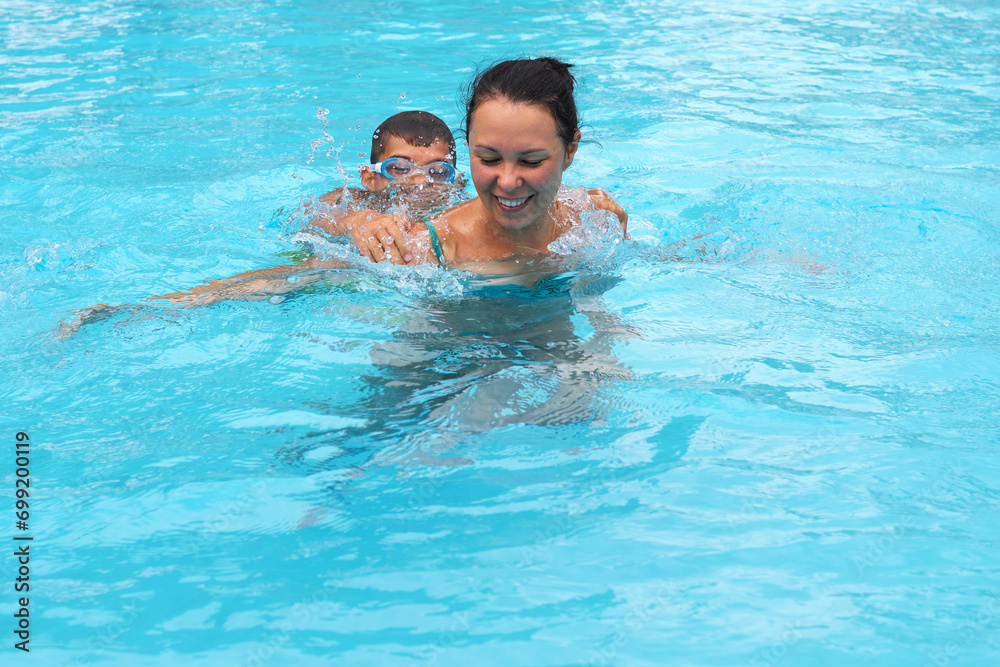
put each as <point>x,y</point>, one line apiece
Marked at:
<point>511,203</point>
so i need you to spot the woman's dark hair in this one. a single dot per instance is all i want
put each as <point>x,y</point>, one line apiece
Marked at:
<point>417,128</point>
<point>544,81</point>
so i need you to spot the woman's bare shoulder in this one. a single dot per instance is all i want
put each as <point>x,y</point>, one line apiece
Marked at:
<point>459,221</point>
<point>464,213</point>
<point>459,228</point>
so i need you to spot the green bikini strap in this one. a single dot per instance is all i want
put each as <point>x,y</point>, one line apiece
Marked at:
<point>435,241</point>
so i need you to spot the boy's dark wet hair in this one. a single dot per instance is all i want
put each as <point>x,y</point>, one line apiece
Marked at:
<point>544,81</point>
<point>417,128</point>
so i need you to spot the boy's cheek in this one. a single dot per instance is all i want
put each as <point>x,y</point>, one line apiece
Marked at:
<point>372,181</point>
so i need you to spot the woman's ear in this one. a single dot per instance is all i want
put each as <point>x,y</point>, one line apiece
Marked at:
<point>571,149</point>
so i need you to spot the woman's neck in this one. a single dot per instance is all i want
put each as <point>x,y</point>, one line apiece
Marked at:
<point>468,234</point>
<point>533,238</point>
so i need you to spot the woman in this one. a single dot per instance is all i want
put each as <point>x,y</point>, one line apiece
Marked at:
<point>523,133</point>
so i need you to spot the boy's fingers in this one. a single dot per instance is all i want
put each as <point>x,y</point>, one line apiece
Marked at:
<point>387,242</point>
<point>602,200</point>
<point>382,238</point>
<point>389,239</point>
<point>367,244</point>
<point>400,248</point>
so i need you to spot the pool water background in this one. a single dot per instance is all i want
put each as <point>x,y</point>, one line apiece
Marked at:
<point>757,433</point>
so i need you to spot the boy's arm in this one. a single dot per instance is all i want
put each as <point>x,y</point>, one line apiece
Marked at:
<point>602,200</point>
<point>379,236</point>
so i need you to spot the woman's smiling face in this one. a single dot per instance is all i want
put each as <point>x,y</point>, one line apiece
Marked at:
<point>518,160</point>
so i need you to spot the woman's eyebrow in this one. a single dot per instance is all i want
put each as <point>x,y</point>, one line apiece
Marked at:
<point>530,151</point>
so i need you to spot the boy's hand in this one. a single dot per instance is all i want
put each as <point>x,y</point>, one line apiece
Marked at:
<point>602,200</point>
<point>380,236</point>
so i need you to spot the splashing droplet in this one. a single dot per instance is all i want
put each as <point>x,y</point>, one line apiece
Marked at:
<point>402,96</point>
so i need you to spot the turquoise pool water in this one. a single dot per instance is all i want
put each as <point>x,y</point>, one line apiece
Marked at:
<point>758,433</point>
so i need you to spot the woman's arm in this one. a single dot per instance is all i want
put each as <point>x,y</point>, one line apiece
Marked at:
<point>253,285</point>
<point>249,286</point>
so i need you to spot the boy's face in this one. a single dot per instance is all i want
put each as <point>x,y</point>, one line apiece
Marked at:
<point>418,155</point>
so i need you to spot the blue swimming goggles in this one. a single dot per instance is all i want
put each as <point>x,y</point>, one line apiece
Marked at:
<point>400,167</point>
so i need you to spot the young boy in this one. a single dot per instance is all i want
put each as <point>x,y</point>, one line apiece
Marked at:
<point>410,151</point>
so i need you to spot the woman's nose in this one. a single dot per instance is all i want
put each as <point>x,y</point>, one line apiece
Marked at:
<point>510,178</point>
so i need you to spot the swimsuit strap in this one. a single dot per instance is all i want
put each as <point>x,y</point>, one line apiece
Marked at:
<point>435,241</point>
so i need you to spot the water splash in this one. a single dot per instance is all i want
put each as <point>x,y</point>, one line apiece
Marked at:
<point>326,138</point>
<point>598,233</point>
